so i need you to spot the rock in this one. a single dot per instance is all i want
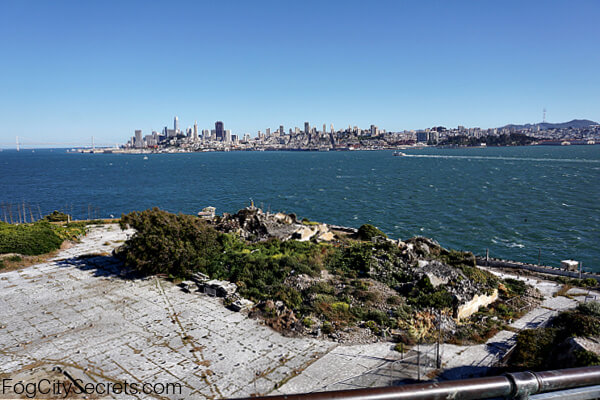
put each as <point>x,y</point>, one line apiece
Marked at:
<point>303,233</point>
<point>326,237</point>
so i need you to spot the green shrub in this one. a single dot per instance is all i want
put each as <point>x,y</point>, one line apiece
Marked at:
<point>589,282</point>
<point>367,232</point>
<point>352,260</point>
<point>534,347</point>
<point>515,286</point>
<point>29,239</point>
<point>577,324</point>
<point>584,358</point>
<point>327,327</point>
<point>57,216</point>
<point>308,322</point>
<point>590,308</point>
<point>168,243</point>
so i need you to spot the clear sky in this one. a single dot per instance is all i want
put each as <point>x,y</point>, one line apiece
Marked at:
<point>73,69</point>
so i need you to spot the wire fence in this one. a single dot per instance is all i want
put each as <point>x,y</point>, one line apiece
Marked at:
<point>24,212</point>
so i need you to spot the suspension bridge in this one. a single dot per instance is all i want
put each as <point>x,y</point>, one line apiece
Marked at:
<point>23,142</point>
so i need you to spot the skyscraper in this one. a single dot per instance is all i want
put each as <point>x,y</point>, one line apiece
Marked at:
<point>138,139</point>
<point>195,134</point>
<point>176,125</point>
<point>324,128</point>
<point>219,131</point>
<point>332,129</point>
<point>306,128</point>
<point>281,131</point>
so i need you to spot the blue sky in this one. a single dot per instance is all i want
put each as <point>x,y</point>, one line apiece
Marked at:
<point>75,69</point>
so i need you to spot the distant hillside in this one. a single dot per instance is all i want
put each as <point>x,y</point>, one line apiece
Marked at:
<point>576,123</point>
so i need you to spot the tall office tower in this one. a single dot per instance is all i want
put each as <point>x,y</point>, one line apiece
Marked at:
<point>281,131</point>
<point>324,128</point>
<point>219,131</point>
<point>189,132</point>
<point>306,128</point>
<point>332,129</point>
<point>234,139</point>
<point>268,132</point>
<point>296,130</point>
<point>138,138</point>
<point>259,136</point>
<point>195,134</point>
<point>176,125</point>
<point>373,130</point>
<point>227,136</point>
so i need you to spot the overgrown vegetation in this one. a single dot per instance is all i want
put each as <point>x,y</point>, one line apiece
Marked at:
<point>36,238</point>
<point>56,216</point>
<point>367,232</point>
<point>551,347</point>
<point>376,285</point>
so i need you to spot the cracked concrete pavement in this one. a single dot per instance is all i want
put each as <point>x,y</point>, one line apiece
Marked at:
<point>79,314</point>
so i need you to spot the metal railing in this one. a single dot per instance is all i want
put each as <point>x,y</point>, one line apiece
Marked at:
<point>519,385</point>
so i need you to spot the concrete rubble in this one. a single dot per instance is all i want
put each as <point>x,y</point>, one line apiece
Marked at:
<point>253,224</point>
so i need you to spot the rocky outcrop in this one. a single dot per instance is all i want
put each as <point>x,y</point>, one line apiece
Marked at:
<point>253,224</point>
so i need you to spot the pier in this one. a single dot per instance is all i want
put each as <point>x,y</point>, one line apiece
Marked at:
<point>545,269</point>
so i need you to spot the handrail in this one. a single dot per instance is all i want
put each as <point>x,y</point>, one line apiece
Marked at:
<point>515,385</point>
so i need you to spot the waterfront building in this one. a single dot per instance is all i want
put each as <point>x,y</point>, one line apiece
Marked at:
<point>422,136</point>
<point>234,139</point>
<point>219,131</point>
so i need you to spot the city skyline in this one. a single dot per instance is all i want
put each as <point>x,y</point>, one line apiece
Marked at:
<point>401,66</point>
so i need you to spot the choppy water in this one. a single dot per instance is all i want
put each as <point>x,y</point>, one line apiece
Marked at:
<point>513,201</point>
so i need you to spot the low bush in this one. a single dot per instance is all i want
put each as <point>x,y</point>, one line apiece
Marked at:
<point>29,239</point>
<point>367,232</point>
<point>57,216</point>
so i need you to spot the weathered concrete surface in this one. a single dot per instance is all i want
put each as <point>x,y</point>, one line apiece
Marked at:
<point>79,315</point>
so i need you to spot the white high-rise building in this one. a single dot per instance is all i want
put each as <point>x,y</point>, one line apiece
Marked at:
<point>332,129</point>
<point>176,125</point>
<point>195,133</point>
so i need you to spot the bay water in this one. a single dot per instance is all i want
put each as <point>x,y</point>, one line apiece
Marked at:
<point>518,202</point>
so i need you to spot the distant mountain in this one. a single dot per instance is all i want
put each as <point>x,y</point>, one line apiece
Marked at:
<point>576,123</point>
